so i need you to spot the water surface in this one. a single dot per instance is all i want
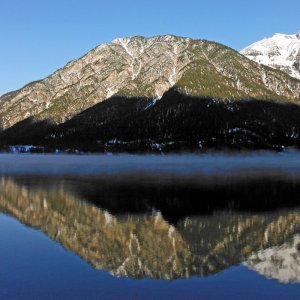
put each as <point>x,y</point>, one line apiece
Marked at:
<point>213,226</point>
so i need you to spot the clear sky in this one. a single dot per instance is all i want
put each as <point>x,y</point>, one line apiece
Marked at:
<point>40,36</point>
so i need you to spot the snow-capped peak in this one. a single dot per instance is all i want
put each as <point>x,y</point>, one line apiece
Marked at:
<point>281,51</point>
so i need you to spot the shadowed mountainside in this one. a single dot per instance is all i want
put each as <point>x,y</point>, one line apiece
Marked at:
<point>176,122</point>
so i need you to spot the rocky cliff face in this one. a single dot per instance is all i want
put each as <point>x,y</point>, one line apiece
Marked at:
<point>145,67</point>
<point>281,51</point>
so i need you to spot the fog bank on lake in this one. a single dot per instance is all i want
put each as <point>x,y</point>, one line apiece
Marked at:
<point>172,165</point>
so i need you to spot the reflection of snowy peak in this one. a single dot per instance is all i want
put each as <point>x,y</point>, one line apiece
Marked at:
<point>281,263</point>
<point>280,51</point>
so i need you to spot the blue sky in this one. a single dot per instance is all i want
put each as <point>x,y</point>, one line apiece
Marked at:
<point>40,36</point>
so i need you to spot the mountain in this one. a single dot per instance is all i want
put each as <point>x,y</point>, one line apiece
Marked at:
<point>281,51</point>
<point>112,93</point>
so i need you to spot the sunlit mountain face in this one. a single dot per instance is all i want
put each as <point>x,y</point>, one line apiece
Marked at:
<point>165,230</point>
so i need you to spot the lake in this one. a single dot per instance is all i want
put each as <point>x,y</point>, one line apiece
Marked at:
<point>209,226</point>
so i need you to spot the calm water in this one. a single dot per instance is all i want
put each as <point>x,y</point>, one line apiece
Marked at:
<point>213,226</point>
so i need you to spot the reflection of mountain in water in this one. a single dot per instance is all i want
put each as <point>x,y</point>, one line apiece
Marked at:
<point>138,245</point>
<point>278,262</point>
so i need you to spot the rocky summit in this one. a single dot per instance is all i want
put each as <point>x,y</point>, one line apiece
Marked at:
<point>120,82</point>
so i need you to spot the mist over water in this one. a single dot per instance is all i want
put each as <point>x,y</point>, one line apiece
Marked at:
<point>177,165</point>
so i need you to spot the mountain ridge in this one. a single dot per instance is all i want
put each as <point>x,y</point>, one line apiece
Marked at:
<point>138,66</point>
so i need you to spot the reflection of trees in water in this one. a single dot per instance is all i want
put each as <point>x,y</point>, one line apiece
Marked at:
<point>138,245</point>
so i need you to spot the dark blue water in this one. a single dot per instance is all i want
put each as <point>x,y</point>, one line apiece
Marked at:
<point>69,223</point>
